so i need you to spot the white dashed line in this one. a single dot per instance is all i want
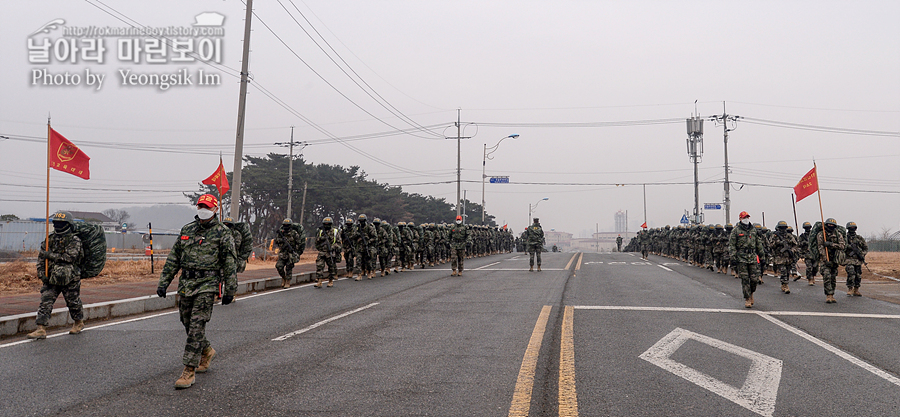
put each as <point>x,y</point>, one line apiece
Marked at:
<point>326,321</point>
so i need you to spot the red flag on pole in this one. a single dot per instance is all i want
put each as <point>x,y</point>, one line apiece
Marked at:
<point>66,157</point>
<point>807,185</point>
<point>219,179</point>
<point>644,226</point>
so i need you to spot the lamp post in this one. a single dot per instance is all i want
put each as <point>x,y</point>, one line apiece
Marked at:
<point>531,208</point>
<point>291,167</point>
<point>487,155</point>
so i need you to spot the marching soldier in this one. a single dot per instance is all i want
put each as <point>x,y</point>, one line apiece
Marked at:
<point>534,241</point>
<point>63,252</point>
<point>290,246</point>
<point>856,257</point>
<point>831,255</point>
<point>745,246</point>
<point>459,236</point>
<point>205,255</point>
<point>784,245</point>
<point>328,243</point>
<point>812,263</point>
<point>366,238</point>
<point>348,238</point>
<point>619,243</point>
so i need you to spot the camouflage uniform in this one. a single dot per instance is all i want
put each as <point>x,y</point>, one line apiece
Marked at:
<point>459,236</point>
<point>619,243</point>
<point>64,255</point>
<point>205,255</point>
<point>745,246</point>
<point>383,243</point>
<point>290,246</point>
<point>348,240</point>
<point>784,248</point>
<point>534,242</point>
<point>366,238</point>
<point>812,264</point>
<point>828,258</point>
<point>328,243</point>
<point>855,259</point>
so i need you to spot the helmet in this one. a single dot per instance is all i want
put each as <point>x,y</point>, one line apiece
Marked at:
<point>410,224</point>
<point>782,224</point>
<point>401,224</point>
<point>712,227</point>
<point>362,217</point>
<point>327,220</point>
<point>790,229</point>
<point>536,220</point>
<point>831,221</point>
<point>757,226</point>
<point>851,225</point>
<point>729,226</point>
<point>63,216</point>
<point>719,227</point>
<point>376,221</point>
<point>208,200</point>
<point>806,225</point>
<point>743,215</point>
<point>287,221</point>
<point>348,221</point>
<point>228,220</point>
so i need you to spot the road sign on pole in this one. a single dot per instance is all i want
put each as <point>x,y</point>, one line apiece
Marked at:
<point>499,180</point>
<point>712,206</point>
<point>684,219</point>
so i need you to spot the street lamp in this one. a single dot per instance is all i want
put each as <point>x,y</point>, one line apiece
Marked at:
<point>487,155</point>
<point>531,208</point>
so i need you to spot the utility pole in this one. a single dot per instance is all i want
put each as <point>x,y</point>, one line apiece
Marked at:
<point>303,203</point>
<point>458,138</point>
<point>242,105</point>
<point>645,203</point>
<point>724,119</point>
<point>695,152</point>
<point>290,145</point>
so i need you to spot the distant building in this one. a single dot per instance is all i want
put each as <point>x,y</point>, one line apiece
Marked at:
<point>562,240</point>
<point>109,225</point>
<point>606,241</point>
<point>621,219</point>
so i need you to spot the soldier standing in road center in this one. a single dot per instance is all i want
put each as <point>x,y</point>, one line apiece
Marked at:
<point>205,255</point>
<point>534,242</point>
<point>459,236</point>
<point>745,246</point>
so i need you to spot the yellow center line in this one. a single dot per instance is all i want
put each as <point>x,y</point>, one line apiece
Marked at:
<point>580,256</point>
<point>568,398</point>
<point>570,261</point>
<point>521,401</point>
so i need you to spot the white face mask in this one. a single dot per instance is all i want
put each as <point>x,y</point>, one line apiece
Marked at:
<point>459,222</point>
<point>205,214</point>
<point>745,220</point>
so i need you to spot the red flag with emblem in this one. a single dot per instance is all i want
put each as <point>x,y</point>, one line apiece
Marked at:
<point>219,179</point>
<point>807,185</point>
<point>66,157</point>
<point>644,226</point>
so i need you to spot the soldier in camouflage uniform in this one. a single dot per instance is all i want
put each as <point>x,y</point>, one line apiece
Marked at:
<point>395,249</point>
<point>726,255</point>
<point>348,239</point>
<point>429,245</point>
<point>784,248</point>
<point>812,264</point>
<point>63,252</point>
<point>831,253</point>
<point>366,238</point>
<point>856,256</point>
<point>745,246</point>
<point>405,249</point>
<point>459,236</point>
<point>328,243</point>
<point>534,242</point>
<point>719,243</point>
<point>205,255</point>
<point>382,247</point>
<point>290,246</point>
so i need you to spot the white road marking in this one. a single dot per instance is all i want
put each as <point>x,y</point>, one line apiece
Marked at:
<point>742,311</point>
<point>326,321</point>
<point>522,269</point>
<point>618,263</point>
<point>641,263</point>
<point>850,358</point>
<point>667,269</point>
<point>592,262</point>
<point>760,388</point>
<point>482,267</point>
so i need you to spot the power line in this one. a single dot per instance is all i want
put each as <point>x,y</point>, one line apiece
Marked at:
<point>826,129</point>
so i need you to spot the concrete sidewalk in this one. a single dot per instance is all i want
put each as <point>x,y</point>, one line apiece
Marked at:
<point>18,312</point>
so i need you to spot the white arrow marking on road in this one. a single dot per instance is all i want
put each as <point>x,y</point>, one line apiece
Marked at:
<point>482,267</point>
<point>760,389</point>
<point>667,269</point>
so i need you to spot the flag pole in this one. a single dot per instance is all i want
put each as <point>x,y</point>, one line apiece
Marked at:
<point>47,207</point>
<point>821,212</point>
<point>794,204</point>
<point>218,191</point>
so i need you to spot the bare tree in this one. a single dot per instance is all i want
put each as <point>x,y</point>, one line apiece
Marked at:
<point>885,233</point>
<point>118,216</point>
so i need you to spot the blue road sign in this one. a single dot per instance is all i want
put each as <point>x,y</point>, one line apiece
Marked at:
<point>499,180</point>
<point>684,219</point>
<point>712,206</point>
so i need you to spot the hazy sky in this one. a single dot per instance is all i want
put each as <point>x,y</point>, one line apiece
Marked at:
<point>597,90</point>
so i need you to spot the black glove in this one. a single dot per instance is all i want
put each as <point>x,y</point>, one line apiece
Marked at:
<point>161,291</point>
<point>47,255</point>
<point>828,244</point>
<point>227,299</point>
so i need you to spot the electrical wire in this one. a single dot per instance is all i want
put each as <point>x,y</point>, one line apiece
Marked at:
<point>815,128</point>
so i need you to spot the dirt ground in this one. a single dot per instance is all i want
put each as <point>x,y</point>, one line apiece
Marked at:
<point>20,277</point>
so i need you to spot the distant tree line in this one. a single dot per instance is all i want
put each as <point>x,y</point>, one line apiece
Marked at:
<point>331,190</point>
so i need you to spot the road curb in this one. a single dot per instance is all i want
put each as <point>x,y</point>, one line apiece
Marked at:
<point>23,323</point>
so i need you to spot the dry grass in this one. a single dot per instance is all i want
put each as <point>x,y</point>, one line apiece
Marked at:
<point>20,277</point>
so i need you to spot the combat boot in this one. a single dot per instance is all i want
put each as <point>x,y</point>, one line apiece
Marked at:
<point>453,274</point>
<point>849,291</point>
<point>208,354</point>
<point>330,283</point>
<point>829,299</point>
<point>747,303</point>
<point>318,283</point>
<point>531,269</point>
<point>40,333</point>
<point>856,292</point>
<point>186,379</point>
<point>357,278</point>
<point>787,290</point>
<point>812,281</point>
<point>77,327</point>
<point>751,300</point>
<point>285,283</point>
<point>371,275</point>
<point>539,268</point>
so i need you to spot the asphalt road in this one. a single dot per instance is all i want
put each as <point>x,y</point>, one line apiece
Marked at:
<point>591,335</point>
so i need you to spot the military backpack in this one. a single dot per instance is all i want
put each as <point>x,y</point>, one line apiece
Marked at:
<point>93,243</point>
